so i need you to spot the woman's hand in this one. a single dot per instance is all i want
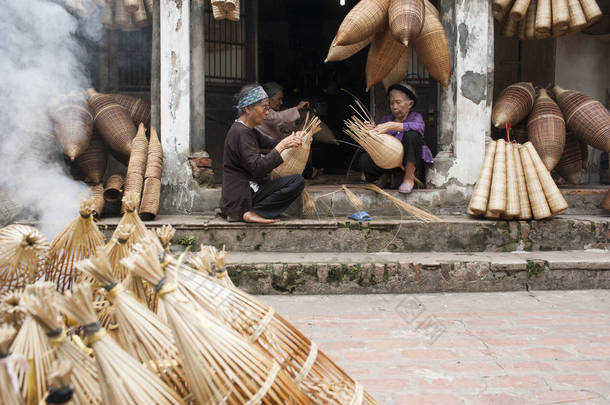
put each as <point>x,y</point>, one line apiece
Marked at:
<point>387,127</point>
<point>369,125</point>
<point>302,105</point>
<point>291,141</point>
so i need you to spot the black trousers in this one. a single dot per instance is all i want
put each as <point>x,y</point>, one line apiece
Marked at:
<point>275,196</point>
<point>412,145</point>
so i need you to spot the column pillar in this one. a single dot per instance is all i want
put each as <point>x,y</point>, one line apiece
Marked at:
<point>197,63</point>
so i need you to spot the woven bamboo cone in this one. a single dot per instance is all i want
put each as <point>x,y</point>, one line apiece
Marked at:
<point>73,125</point>
<point>530,21</point>
<point>399,71</point>
<point>149,207</point>
<point>510,28</point>
<point>592,11</point>
<point>384,54</point>
<point>11,310</point>
<point>525,209</point>
<point>123,379</point>
<point>338,53</point>
<point>137,164</point>
<point>23,251</point>
<point>107,17</point>
<point>561,17</point>
<point>513,204</point>
<point>386,151</point>
<point>432,47</point>
<point>97,199</point>
<point>9,394</point>
<point>606,201</point>
<point>543,19</point>
<point>154,163</point>
<point>114,188</point>
<point>480,194</point>
<point>519,9</point>
<point>321,379</point>
<point>539,205</point>
<point>497,192</point>
<point>75,242</point>
<point>112,122</point>
<point>138,109</point>
<point>406,18</point>
<point>140,17</point>
<point>363,21</point>
<point>585,116</point>
<point>218,363</point>
<point>39,303</point>
<point>557,203</point>
<point>500,13</point>
<point>93,161</point>
<point>570,164</point>
<point>499,6</point>
<point>513,104</point>
<point>295,159</point>
<point>546,129</point>
<point>578,20</point>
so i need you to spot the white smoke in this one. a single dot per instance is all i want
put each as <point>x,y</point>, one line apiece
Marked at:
<point>41,58</point>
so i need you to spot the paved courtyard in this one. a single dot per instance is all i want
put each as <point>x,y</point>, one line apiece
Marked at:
<point>543,347</point>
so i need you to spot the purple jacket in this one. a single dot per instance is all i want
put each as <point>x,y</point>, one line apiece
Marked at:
<point>413,122</point>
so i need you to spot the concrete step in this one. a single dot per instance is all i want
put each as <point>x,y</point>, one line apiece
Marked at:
<point>361,273</point>
<point>452,234</point>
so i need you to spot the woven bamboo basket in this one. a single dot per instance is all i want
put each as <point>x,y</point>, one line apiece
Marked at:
<point>112,122</point>
<point>399,71</point>
<point>406,19</point>
<point>544,21</point>
<point>519,9</point>
<point>130,6</point>
<point>497,192</point>
<point>149,207</point>
<point>325,135</point>
<point>510,28</point>
<point>546,129</point>
<point>226,10</point>
<point>501,10</point>
<point>140,16</point>
<point>122,17</point>
<point>97,199</point>
<point>107,17</point>
<point>513,104</point>
<point>73,124</point>
<point>480,194</point>
<point>384,54</point>
<point>538,202</point>
<point>295,159</point>
<point>432,47</point>
<point>139,110</point>
<point>363,21</point>
<point>586,117</point>
<point>385,150</point>
<point>555,199</point>
<point>578,20</point>
<point>513,203</point>
<point>570,164</point>
<point>154,162</point>
<point>338,53</point>
<point>519,133</point>
<point>114,188</point>
<point>561,17</point>
<point>93,161</point>
<point>9,394</point>
<point>592,11</point>
<point>606,201</point>
<point>23,251</point>
<point>139,152</point>
<point>9,209</point>
<point>530,21</point>
<point>525,209</point>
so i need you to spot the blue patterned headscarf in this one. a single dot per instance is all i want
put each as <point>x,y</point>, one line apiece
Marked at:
<point>252,97</point>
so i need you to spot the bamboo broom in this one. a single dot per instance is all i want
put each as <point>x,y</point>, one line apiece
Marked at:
<point>540,207</point>
<point>130,203</point>
<point>11,310</point>
<point>309,204</point>
<point>416,212</point>
<point>525,211</point>
<point>219,365</point>
<point>123,380</point>
<point>557,203</point>
<point>23,251</point>
<point>480,194</point>
<point>75,242</point>
<point>353,199</point>
<point>513,205</point>
<point>9,392</point>
<point>497,193</point>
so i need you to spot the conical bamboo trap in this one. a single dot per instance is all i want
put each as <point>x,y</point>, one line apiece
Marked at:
<point>73,124</point>
<point>138,109</point>
<point>384,53</point>
<point>23,251</point>
<point>97,200</point>
<point>338,53</point>
<point>570,164</point>
<point>9,393</point>
<point>134,179</point>
<point>112,122</point>
<point>513,104</point>
<point>114,188</point>
<point>93,161</point>
<point>295,159</point>
<point>432,47</point>
<point>399,71</point>
<point>154,161</point>
<point>406,18</point>
<point>546,129</point>
<point>363,21</point>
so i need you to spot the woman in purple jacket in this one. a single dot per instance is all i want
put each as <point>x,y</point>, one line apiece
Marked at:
<point>408,127</point>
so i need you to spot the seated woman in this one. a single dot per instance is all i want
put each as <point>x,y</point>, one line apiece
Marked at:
<point>246,192</point>
<point>279,121</point>
<point>408,127</point>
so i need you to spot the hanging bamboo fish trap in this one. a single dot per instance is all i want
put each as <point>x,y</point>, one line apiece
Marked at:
<point>295,159</point>
<point>606,201</point>
<point>154,162</point>
<point>530,20</point>
<point>519,9</point>
<point>480,194</point>
<point>123,379</point>
<point>497,191</point>
<point>578,20</point>
<point>73,124</point>
<point>399,71</point>
<point>39,302</point>
<point>586,117</point>
<point>547,129</point>
<point>112,122</point>
<point>138,109</point>
<point>9,393</point>
<point>114,188</point>
<point>149,206</point>
<point>555,199</point>
<point>525,209</point>
<point>219,364</point>
<point>513,105</point>
<point>363,21</point>
<point>571,162</point>
<point>338,53</point>
<point>130,5</point>
<point>513,204</point>
<point>23,251</point>
<point>406,19</point>
<point>544,20</point>
<point>140,19</point>
<point>432,47</point>
<point>384,53</point>
<point>540,207</point>
<point>97,200</point>
<point>592,11</point>
<point>93,161</point>
<point>11,310</point>
<point>75,242</point>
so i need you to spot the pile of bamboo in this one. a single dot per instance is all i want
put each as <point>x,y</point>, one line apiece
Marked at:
<point>126,15</point>
<point>539,19</point>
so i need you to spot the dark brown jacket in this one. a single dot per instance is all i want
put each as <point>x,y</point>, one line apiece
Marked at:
<point>242,163</point>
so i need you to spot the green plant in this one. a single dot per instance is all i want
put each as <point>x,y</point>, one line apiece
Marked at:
<point>187,242</point>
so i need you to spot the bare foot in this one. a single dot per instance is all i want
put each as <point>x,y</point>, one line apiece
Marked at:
<point>253,217</point>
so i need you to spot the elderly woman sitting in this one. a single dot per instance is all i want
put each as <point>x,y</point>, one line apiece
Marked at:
<point>279,121</point>
<point>408,127</point>
<point>246,192</point>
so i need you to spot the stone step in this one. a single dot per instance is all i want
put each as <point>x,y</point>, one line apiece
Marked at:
<point>363,273</point>
<point>451,234</point>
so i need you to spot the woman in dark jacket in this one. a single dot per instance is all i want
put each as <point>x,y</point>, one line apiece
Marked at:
<point>247,195</point>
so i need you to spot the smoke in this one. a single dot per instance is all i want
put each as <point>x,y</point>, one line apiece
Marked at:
<point>41,58</point>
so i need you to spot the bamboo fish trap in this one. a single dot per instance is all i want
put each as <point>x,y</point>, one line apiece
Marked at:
<point>23,251</point>
<point>547,130</point>
<point>154,161</point>
<point>480,194</point>
<point>513,105</point>
<point>138,109</point>
<point>219,364</point>
<point>338,53</point>
<point>112,122</point>
<point>363,21</point>
<point>557,203</point>
<point>9,393</point>
<point>114,188</point>
<point>539,205</point>
<point>73,124</point>
<point>149,207</point>
<point>406,19</point>
<point>93,161</point>
<point>399,71</point>
<point>97,200</point>
<point>571,162</point>
<point>295,159</point>
<point>384,53</point>
<point>497,192</point>
<point>137,164</point>
<point>432,47</point>
<point>123,380</point>
<point>525,209</point>
<point>513,203</point>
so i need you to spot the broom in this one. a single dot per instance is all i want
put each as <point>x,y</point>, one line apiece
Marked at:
<point>11,310</point>
<point>9,392</point>
<point>416,212</point>
<point>220,366</point>
<point>353,199</point>
<point>23,250</point>
<point>309,204</point>
<point>75,242</point>
<point>123,380</point>
<point>117,248</point>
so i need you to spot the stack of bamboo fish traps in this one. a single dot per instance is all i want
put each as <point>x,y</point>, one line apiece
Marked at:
<point>149,206</point>
<point>126,15</point>
<point>515,184</point>
<point>226,9</point>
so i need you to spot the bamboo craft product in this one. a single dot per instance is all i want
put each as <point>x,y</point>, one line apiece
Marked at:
<point>60,384</point>
<point>39,303</point>
<point>131,217</point>
<point>107,17</point>
<point>130,5</point>
<point>578,20</point>
<point>149,206</point>
<point>399,71</point>
<point>112,122</point>
<point>519,9</point>
<point>606,201</point>
<point>123,379</point>
<point>384,53</point>
<point>480,194</point>
<point>522,28</point>
<point>592,11</point>
<point>93,161</point>
<point>11,310</point>
<point>97,200</point>
<point>497,192</point>
<point>117,249</point>
<point>555,199</point>
<point>9,393</point>
<point>530,20</point>
<point>501,10</point>
<point>154,162</point>
<point>73,124</point>
<point>561,17</point>
<point>149,6</point>
<point>122,17</point>
<point>406,19</point>
<point>220,268</point>
<point>295,159</point>
<point>510,28</point>
<point>165,235</point>
<point>338,53</point>
<point>363,21</point>
<point>571,163</point>
<point>219,364</point>
<point>543,19</point>
<point>513,104</point>
<point>525,209</point>
<point>585,116</point>
<point>137,164</point>
<point>138,109</point>
<point>432,47</point>
<point>140,19</point>
<point>75,242</point>
<point>325,135</point>
<point>114,188</point>
<point>513,203</point>
<point>23,251</point>
<point>546,129</point>
<point>539,205</point>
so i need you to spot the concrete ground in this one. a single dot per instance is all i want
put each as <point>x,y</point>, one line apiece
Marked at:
<point>545,347</point>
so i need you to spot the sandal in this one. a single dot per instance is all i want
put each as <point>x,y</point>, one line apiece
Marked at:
<point>406,188</point>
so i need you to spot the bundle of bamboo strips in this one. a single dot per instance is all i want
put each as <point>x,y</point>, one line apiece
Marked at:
<point>23,251</point>
<point>11,310</point>
<point>9,393</point>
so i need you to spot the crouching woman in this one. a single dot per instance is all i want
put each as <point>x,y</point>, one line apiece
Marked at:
<point>247,194</point>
